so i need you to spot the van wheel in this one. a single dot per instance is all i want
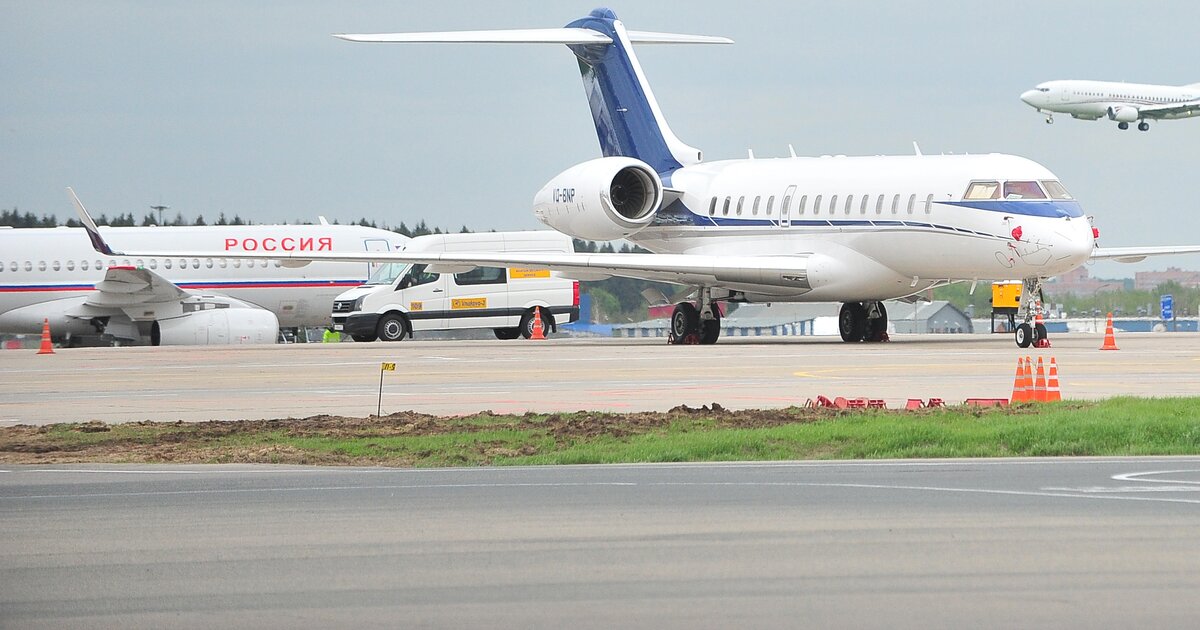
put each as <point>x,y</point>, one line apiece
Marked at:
<point>508,333</point>
<point>526,327</point>
<point>363,338</point>
<point>392,327</point>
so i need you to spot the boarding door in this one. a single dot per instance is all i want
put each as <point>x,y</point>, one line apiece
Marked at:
<point>785,210</point>
<point>376,245</point>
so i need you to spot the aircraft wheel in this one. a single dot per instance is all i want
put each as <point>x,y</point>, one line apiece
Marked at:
<point>1049,120</point>
<point>877,328</point>
<point>392,327</point>
<point>508,333</point>
<point>1024,335</point>
<point>363,338</point>
<point>1143,126</point>
<point>526,327</point>
<point>710,330</point>
<point>1122,126</point>
<point>852,322</point>
<point>685,322</point>
<point>1039,333</point>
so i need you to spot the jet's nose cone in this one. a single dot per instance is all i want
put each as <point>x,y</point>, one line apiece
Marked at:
<point>1029,96</point>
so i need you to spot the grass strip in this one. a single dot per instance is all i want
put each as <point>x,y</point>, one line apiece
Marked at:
<point>1117,426</point>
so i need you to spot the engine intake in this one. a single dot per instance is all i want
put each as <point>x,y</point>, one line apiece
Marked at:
<point>1123,113</point>
<point>602,199</point>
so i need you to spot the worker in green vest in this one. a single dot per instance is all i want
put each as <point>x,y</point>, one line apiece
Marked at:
<point>330,336</point>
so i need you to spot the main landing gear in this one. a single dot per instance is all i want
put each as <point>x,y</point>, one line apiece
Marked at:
<point>692,324</point>
<point>1031,331</point>
<point>1142,126</point>
<point>863,321</point>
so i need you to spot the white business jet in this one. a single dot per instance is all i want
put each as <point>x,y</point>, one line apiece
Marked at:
<point>857,230</point>
<point>198,299</point>
<point>1122,102</point>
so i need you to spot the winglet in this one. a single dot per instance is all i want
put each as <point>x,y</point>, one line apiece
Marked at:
<point>92,230</point>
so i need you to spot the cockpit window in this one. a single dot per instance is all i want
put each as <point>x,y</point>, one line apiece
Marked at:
<point>983,190</point>
<point>1043,89</point>
<point>1023,190</point>
<point>387,273</point>
<point>1055,189</point>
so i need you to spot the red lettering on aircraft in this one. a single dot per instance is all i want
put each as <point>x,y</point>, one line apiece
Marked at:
<point>325,244</point>
<point>306,244</point>
<point>287,244</point>
<point>249,244</point>
<point>230,243</point>
<point>269,244</point>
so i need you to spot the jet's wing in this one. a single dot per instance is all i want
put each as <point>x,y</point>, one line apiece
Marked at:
<point>123,287</point>
<point>1169,109</point>
<point>1138,254</point>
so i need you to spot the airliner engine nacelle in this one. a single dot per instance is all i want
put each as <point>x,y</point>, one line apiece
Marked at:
<point>217,327</point>
<point>601,200</point>
<point>1123,113</point>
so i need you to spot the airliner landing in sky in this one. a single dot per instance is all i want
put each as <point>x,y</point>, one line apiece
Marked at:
<point>1122,102</point>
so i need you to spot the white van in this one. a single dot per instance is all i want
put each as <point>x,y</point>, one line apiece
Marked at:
<point>401,298</point>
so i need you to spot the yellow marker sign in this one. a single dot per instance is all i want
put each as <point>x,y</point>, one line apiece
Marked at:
<point>388,367</point>
<point>468,303</point>
<point>519,273</point>
<point>416,306</point>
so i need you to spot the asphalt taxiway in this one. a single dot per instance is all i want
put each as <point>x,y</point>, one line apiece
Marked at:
<point>1030,543</point>
<point>461,377</point>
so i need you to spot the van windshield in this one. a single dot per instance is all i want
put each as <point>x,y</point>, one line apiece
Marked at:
<point>387,273</point>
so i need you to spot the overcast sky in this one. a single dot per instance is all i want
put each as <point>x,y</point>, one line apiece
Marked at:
<point>251,108</point>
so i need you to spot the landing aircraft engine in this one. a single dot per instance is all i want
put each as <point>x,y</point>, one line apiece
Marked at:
<point>601,200</point>
<point>1123,113</point>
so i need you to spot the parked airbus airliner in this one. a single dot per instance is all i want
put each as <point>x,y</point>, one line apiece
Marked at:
<point>198,299</point>
<point>1122,102</point>
<point>857,230</point>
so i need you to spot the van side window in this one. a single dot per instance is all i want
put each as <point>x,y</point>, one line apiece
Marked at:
<point>482,275</point>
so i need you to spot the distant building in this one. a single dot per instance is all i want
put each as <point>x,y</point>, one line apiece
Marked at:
<point>1149,280</point>
<point>1079,283</point>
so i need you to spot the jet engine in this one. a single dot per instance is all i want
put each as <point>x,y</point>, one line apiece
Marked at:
<point>1123,113</point>
<point>218,326</point>
<point>602,200</point>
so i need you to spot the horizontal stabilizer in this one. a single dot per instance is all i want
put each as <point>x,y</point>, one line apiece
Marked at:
<point>531,36</point>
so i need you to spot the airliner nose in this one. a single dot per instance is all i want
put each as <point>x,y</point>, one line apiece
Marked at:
<point>1028,96</point>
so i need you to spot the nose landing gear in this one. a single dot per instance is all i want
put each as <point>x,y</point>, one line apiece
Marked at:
<point>1049,119</point>
<point>1031,331</point>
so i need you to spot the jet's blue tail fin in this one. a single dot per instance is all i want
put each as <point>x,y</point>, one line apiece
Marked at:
<point>628,120</point>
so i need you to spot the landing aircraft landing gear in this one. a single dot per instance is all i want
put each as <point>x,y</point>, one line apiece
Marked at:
<point>1049,119</point>
<point>691,325</point>
<point>1122,126</point>
<point>863,321</point>
<point>1143,126</point>
<point>1031,331</point>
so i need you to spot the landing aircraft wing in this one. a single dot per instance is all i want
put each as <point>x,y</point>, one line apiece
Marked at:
<point>1138,254</point>
<point>1171,109</point>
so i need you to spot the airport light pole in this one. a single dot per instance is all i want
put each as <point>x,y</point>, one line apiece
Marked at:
<point>160,209</point>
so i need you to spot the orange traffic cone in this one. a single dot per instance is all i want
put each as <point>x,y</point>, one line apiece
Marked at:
<point>1110,342</point>
<point>1052,392</point>
<point>1039,386</point>
<point>1019,393</point>
<point>1044,342</point>
<point>1029,393</point>
<point>538,331</point>
<point>47,347</point>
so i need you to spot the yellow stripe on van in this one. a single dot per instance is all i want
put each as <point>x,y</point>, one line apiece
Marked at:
<point>459,304</point>
<point>519,273</point>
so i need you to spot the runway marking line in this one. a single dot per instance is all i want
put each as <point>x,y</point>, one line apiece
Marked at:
<point>1136,476</point>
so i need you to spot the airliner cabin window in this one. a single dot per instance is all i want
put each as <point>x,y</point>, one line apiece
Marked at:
<point>862,207</point>
<point>755,210</point>
<point>787,203</point>
<point>1023,190</point>
<point>741,200</point>
<point>83,265</point>
<point>928,204</point>
<point>833,204</point>
<point>41,265</point>
<point>912,200</point>
<point>208,263</point>
<point>879,205</point>
<point>817,205</point>
<point>153,263</point>
<point>983,190</point>
<point>70,265</point>
<point>770,202</point>
<point>28,266</point>
<point>712,207</point>
<point>57,266</point>
<point>166,263</point>
<point>849,202</point>
<point>1055,189</point>
<point>803,202</point>
<point>725,208</point>
<point>895,203</point>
